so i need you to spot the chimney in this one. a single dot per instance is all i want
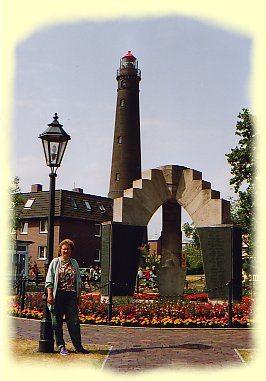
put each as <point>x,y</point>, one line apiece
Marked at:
<point>36,188</point>
<point>78,190</point>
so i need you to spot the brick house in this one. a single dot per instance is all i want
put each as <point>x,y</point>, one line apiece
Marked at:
<point>78,216</point>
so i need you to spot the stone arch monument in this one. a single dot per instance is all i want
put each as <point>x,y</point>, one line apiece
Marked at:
<point>171,187</point>
<point>136,200</point>
<point>171,182</point>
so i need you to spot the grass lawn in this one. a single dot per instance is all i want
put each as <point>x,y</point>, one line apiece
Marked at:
<point>196,281</point>
<point>247,355</point>
<point>26,351</point>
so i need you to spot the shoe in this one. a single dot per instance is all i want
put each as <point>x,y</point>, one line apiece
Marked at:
<point>64,351</point>
<point>82,351</point>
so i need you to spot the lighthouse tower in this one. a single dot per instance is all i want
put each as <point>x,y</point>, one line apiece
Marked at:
<point>126,159</point>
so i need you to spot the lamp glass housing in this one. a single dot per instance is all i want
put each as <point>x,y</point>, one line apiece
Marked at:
<point>54,141</point>
<point>54,151</point>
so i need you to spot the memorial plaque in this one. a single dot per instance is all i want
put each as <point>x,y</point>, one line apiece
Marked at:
<point>222,260</point>
<point>121,243</point>
<point>105,257</point>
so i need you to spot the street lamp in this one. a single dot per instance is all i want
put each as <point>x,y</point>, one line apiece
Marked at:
<point>54,140</point>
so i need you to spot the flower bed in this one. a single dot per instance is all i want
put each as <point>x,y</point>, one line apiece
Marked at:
<point>150,311</point>
<point>145,296</point>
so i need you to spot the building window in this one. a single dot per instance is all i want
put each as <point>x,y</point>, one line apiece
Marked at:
<point>97,256</point>
<point>117,177</point>
<point>24,228</point>
<point>102,209</point>
<point>42,252</point>
<point>21,248</point>
<point>119,140</point>
<point>122,102</point>
<point>29,203</point>
<point>98,230</point>
<point>88,205</point>
<point>74,204</point>
<point>43,226</point>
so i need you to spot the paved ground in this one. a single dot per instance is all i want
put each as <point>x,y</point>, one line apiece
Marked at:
<point>138,349</point>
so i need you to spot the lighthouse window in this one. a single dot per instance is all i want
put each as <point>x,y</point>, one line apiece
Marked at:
<point>123,84</point>
<point>117,177</point>
<point>119,140</point>
<point>122,102</point>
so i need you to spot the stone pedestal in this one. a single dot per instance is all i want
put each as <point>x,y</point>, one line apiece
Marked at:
<point>171,280</point>
<point>171,276</point>
<point>171,233</point>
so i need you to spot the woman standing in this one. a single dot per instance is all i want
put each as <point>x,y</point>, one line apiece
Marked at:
<point>63,283</point>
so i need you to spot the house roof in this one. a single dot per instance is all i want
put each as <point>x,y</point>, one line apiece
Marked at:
<point>68,204</point>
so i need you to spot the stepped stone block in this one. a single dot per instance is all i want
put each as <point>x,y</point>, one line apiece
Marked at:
<point>196,175</point>
<point>189,189</point>
<point>215,194</point>
<point>117,209</point>
<point>149,173</point>
<point>128,193</point>
<point>226,216</point>
<point>208,214</point>
<point>131,212</point>
<point>153,194</point>
<point>200,200</point>
<point>205,184</point>
<point>172,175</point>
<point>158,185</point>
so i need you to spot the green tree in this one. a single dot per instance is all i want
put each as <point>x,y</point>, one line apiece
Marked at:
<point>16,201</point>
<point>151,259</point>
<point>243,170</point>
<point>191,234</point>
<point>192,249</point>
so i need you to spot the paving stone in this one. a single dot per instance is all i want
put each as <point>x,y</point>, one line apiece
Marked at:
<point>136,349</point>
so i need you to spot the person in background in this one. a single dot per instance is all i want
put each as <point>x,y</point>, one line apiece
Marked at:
<point>147,273</point>
<point>140,273</point>
<point>35,273</point>
<point>244,278</point>
<point>96,274</point>
<point>63,284</point>
<point>153,278</point>
<point>91,270</point>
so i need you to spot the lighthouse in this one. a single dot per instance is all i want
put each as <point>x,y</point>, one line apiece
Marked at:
<point>126,157</point>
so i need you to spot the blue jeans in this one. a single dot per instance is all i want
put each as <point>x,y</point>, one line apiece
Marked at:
<point>66,303</point>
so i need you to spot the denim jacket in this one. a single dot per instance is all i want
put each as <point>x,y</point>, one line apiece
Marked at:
<point>51,280</point>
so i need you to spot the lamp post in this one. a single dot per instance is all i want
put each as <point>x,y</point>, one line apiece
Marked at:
<point>54,140</point>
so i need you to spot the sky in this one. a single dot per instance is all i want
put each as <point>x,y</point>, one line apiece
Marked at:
<point>195,81</point>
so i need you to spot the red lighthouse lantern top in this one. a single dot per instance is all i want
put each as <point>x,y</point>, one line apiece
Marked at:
<point>129,54</point>
<point>128,61</point>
